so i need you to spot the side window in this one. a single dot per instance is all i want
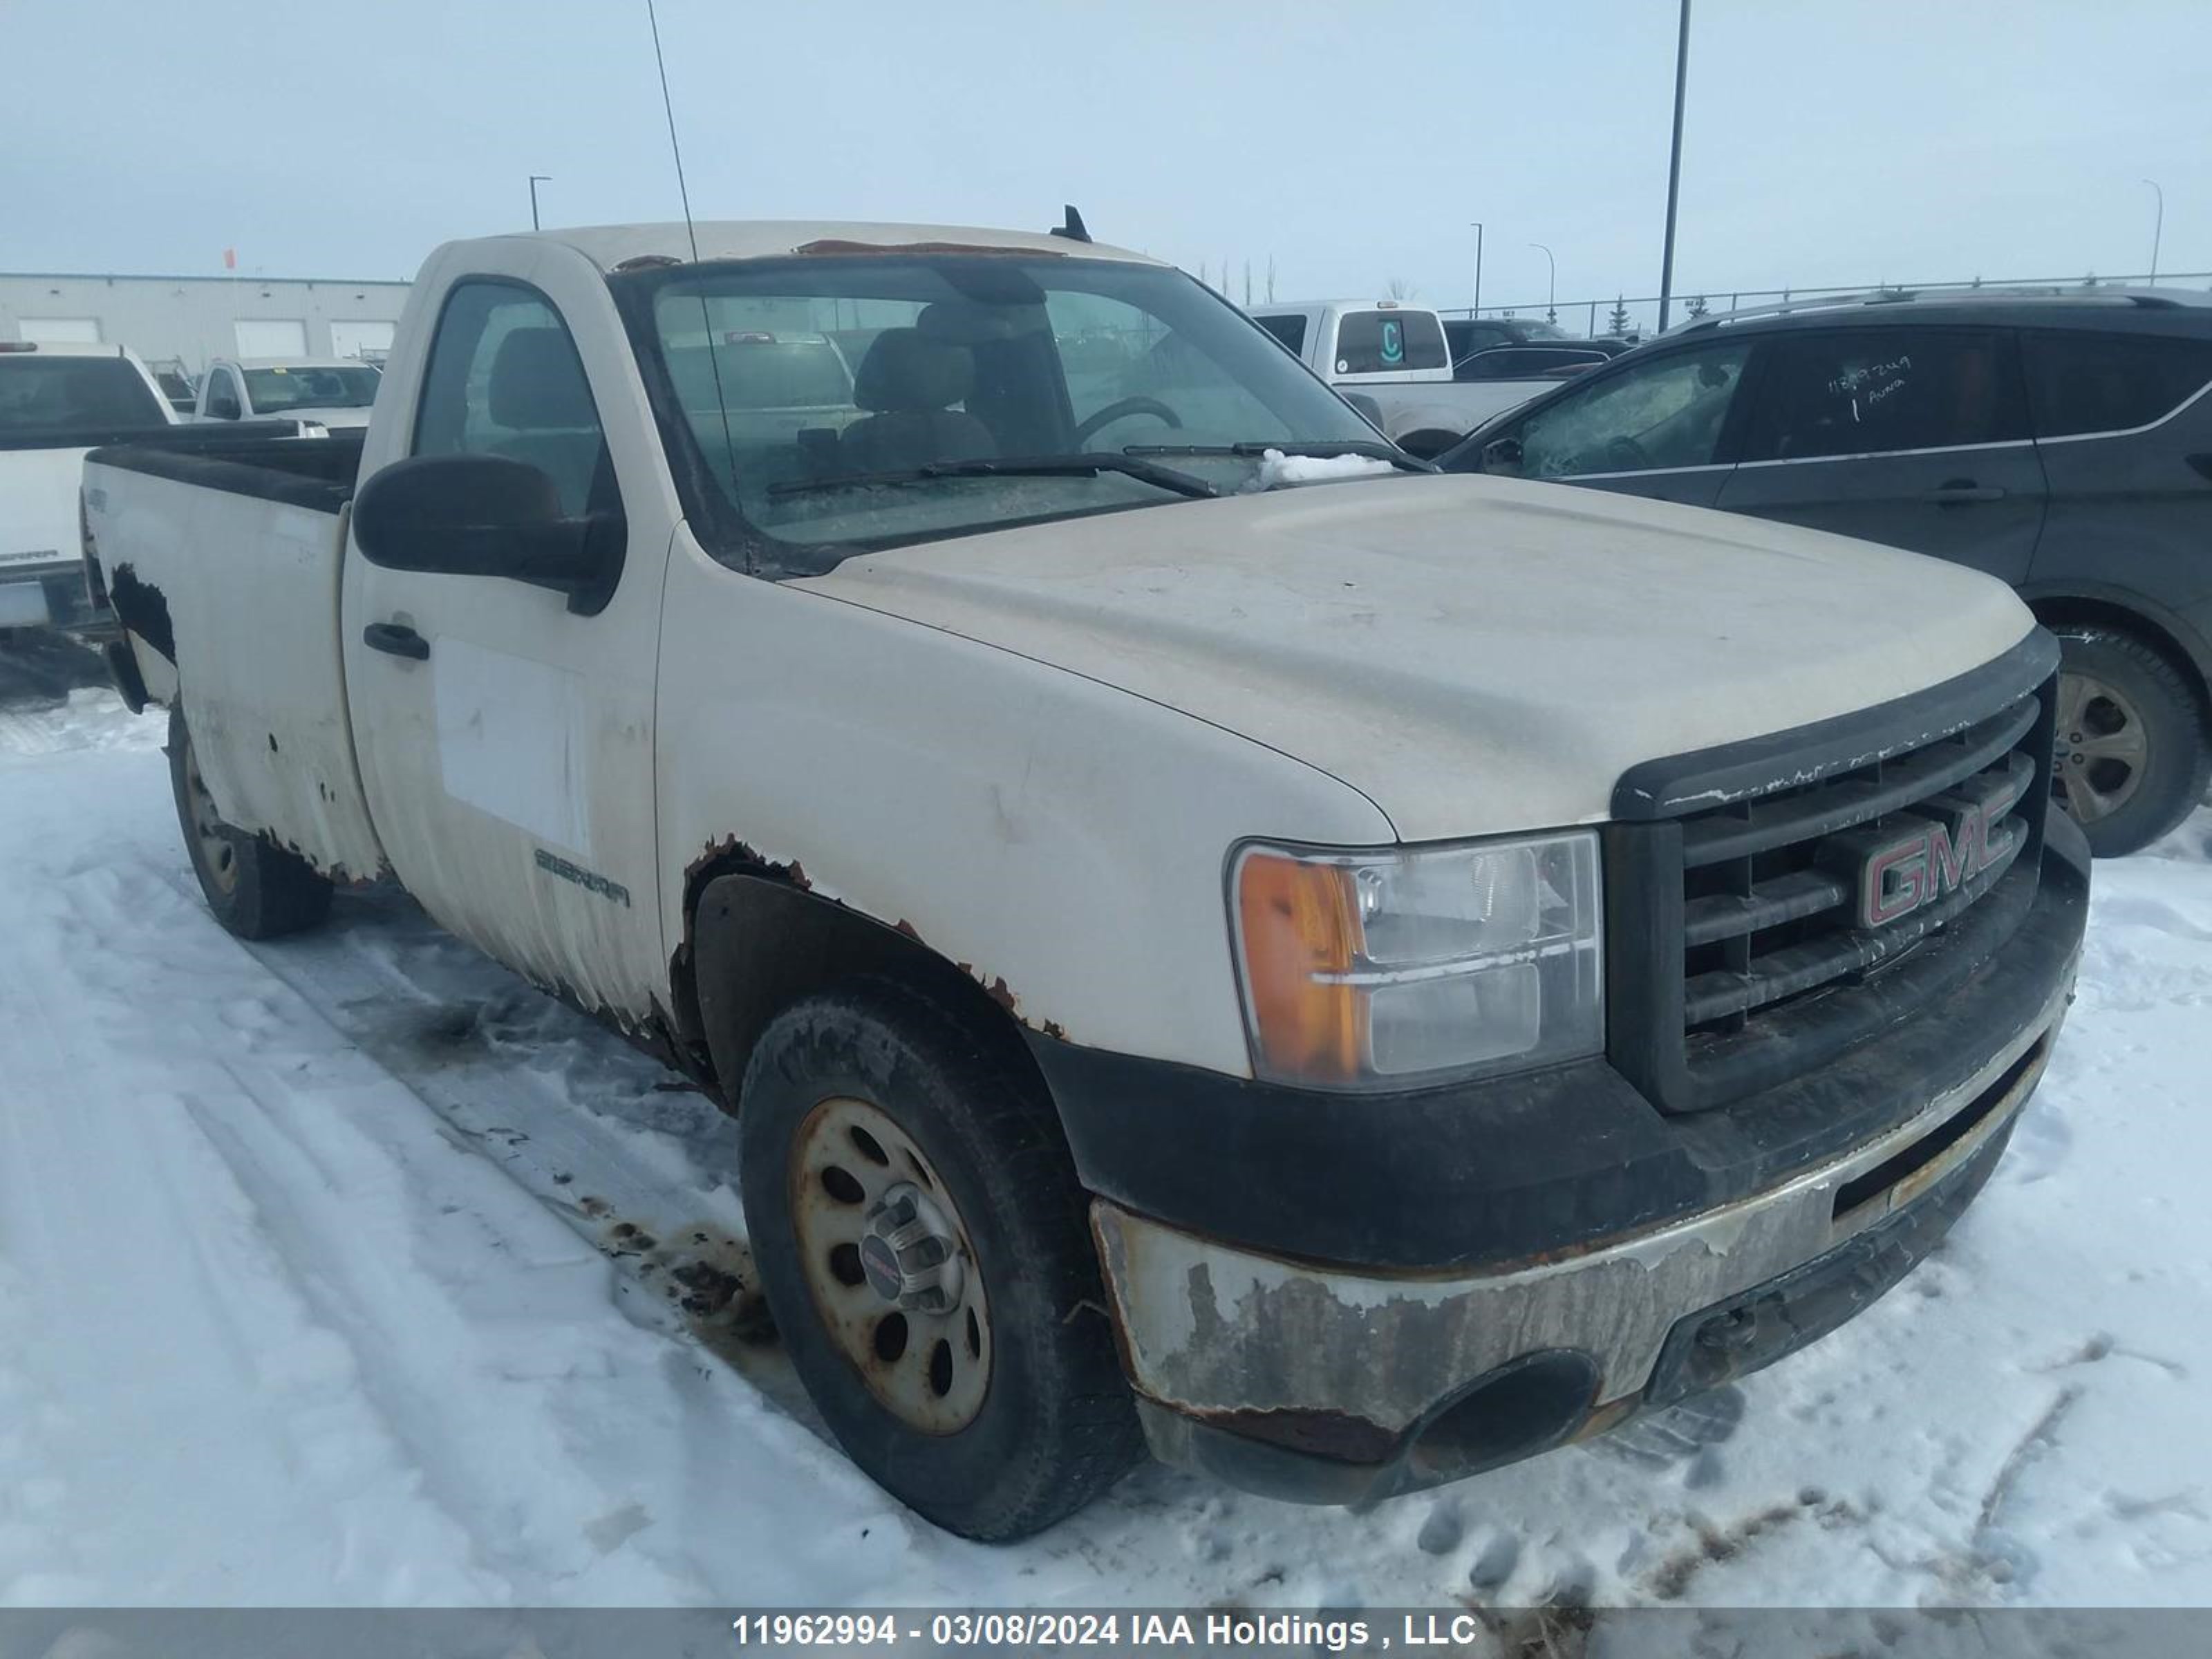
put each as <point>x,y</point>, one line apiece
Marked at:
<point>1385,342</point>
<point>1289,328</point>
<point>223,396</point>
<point>1670,411</point>
<point>1868,391</point>
<point>504,378</point>
<point>2110,382</point>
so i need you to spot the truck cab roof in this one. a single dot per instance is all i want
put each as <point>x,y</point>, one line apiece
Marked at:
<point>616,247</point>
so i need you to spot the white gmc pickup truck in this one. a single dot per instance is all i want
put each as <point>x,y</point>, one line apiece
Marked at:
<point>1396,357</point>
<point>1350,984</point>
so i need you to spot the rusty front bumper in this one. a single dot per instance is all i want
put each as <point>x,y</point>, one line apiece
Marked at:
<point>1329,1385</point>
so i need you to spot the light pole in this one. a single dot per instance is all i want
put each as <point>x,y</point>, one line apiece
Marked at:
<point>1551,283</point>
<point>536,180</point>
<point>2157,230</point>
<point>1674,166</point>
<point>1477,311</point>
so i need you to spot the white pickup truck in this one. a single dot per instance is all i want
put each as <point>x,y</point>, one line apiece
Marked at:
<point>56,402</point>
<point>1350,985</point>
<point>1395,355</point>
<point>328,391</point>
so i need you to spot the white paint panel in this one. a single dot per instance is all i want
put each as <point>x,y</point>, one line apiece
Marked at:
<point>22,605</point>
<point>271,337</point>
<point>512,741</point>
<point>351,338</point>
<point>60,331</point>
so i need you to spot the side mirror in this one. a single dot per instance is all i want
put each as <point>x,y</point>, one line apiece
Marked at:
<point>1370,411</point>
<point>486,516</point>
<point>1502,455</point>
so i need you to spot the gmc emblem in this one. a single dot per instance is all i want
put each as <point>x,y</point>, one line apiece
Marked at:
<point>1942,845</point>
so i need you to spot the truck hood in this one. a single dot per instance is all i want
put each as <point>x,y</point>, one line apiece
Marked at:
<point>1475,655</point>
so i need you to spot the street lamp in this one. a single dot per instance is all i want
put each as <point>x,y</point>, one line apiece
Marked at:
<point>1674,166</point>
<point>2157,230</point>
<point>1551,283</point>
<point>536,180</point>
<point>1477,311</point>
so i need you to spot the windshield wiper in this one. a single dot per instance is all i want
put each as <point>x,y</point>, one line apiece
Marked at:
<point>1084,466</point>
<point>1316,449</point>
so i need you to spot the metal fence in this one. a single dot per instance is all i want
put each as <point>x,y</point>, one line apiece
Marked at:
<point>1640,315</point>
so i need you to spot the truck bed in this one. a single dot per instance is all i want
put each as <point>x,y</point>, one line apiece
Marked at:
<point>316,473</point>
<point>224,561</point>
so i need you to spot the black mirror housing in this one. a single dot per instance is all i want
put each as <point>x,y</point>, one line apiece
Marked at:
<point>487,515</point>
<point>1502,455</point>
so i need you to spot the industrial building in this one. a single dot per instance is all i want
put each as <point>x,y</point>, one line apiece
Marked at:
<point>191,321</point>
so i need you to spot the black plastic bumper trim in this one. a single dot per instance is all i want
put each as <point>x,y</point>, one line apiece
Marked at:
<point>1512,1168</point>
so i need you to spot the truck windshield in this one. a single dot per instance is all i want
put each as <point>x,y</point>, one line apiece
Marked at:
<point>39,393</point>
<point>273,390</point>
<point>818,407</point>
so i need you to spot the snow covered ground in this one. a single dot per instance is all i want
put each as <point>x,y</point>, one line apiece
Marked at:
<point>349,1271</point>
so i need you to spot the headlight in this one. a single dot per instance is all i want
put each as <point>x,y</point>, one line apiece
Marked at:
<point>1399,966</point>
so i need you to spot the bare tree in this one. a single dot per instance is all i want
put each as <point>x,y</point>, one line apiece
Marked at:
<point>1248,285</point>
<point>1398,287</point>
<point>1271,279</point>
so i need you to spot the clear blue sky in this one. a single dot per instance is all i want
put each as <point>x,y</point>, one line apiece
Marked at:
<point>1828,140</point>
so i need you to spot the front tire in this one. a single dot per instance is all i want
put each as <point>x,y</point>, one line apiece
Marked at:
<point>255,888</point>
<point>921,1240</point>
<point>2133,754</point>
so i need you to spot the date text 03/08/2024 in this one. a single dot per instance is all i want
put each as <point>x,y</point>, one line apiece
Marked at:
<point>1173,1630</point>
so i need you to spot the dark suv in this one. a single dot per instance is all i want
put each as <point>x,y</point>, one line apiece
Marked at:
<point>2060,441</point>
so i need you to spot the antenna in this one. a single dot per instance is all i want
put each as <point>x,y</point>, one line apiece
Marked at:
<point>691,234</point>
<point>683,190</point>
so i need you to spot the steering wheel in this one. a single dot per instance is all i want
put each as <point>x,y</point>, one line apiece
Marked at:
<point>1124,407</point>
<point>1625,454</point>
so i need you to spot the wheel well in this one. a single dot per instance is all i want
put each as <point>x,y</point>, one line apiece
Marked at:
<point>758,941</point>
<point>2068,611</point>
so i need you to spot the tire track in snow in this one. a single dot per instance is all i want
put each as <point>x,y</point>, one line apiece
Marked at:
<point>379,1362</point>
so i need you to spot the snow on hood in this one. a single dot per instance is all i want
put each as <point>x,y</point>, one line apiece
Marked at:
<point>1475,655</point>
<point>1277,469</point>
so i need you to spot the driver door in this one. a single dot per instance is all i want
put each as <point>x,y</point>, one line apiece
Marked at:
<point>505,740</point>
<point>1668,427</point>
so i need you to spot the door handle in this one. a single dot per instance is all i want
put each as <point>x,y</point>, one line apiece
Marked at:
<point>397,639</point>
<point>1954,491</point>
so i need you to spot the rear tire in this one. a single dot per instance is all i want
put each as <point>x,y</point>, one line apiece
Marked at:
<point>255,888</point>
<point>2133,753</point>
<point>860,1103</point>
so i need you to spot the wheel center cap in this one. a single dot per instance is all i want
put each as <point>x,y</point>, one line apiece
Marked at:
<point>909,1255</point>
<point>879,1262</point>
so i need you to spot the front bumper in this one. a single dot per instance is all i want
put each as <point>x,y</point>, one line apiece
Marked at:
<point>1346,1384</point>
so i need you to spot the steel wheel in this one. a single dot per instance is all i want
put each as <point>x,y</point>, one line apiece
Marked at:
<point>2100,748</point>
<point>218,848</point>
<point>891,1266</point>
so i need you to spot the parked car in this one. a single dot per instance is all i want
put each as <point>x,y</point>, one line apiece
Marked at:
<point>2060,441</point>
<point>1504,348</point>
<point>333,393</point>
<point>1356,986</point>
<point>56,402</point>
<point>1394,355</point>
